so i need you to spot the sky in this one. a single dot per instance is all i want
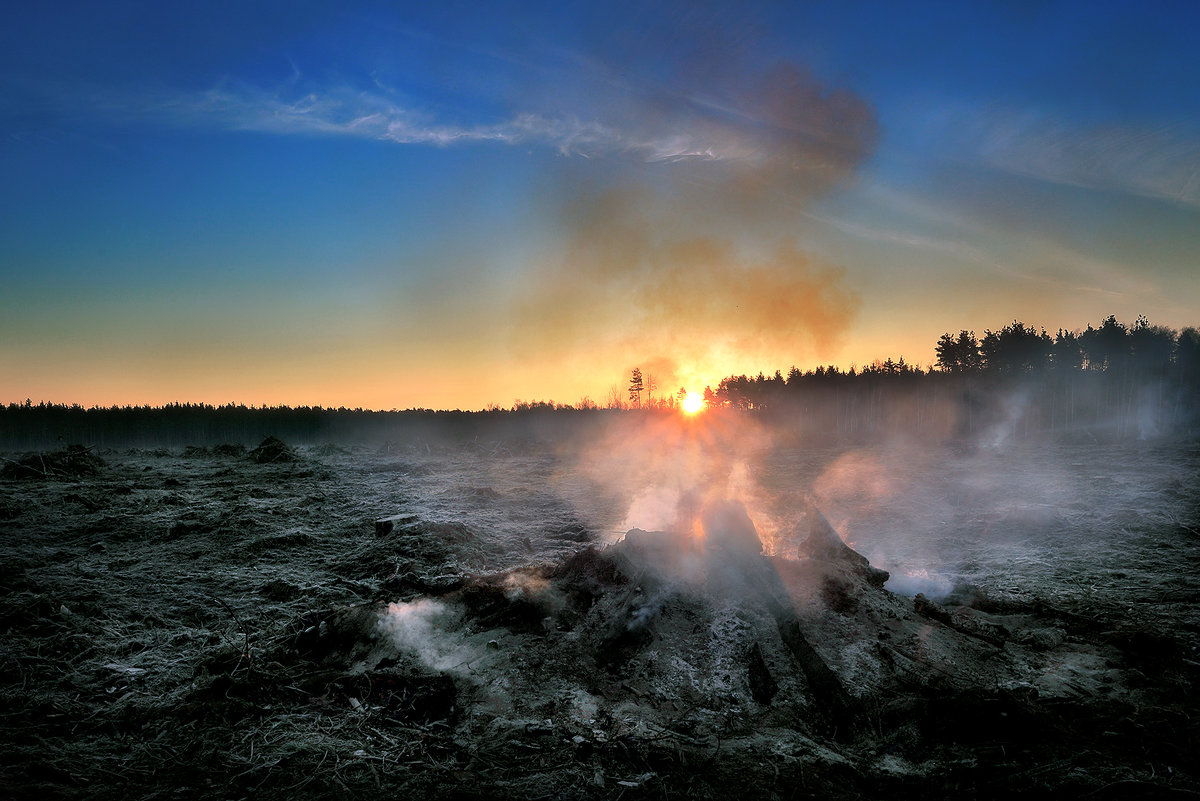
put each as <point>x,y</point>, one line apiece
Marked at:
<point>453,205</point>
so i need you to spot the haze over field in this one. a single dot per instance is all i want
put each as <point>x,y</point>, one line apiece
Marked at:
<point>464,204</point>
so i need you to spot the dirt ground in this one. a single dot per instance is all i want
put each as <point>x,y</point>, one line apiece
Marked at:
<point>475,621</point>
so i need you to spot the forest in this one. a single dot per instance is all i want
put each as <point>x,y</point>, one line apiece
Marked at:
<point>1113,381</point>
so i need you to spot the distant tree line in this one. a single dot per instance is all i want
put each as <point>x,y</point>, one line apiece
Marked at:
<point>1111,380</point>
<point>30,426</point>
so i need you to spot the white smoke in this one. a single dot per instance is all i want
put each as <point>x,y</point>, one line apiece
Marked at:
<point>916,581</point>
<point>421,629</point>
<point>654,509</point>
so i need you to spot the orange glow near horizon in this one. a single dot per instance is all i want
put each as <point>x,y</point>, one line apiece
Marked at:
<point>692,404</point>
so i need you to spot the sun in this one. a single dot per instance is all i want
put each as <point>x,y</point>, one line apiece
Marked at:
<point>692,403</point>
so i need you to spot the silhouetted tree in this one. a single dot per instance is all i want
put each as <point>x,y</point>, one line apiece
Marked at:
<point>1187,368</point>
<point>736,391</point>
<point>1066,352</point>
<point>1187,354</point>
<point>636,387</point>
<point>1152,346</point>
<point>1106,347</point>
<point>958,354</point>
<point>1015,348</point>
<point>616,399</point>
<point>947,355</point>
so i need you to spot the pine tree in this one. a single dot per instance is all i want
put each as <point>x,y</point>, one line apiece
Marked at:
<point>636,387</point>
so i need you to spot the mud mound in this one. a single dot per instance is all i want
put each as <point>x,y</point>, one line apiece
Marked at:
<point>272,450</point>
<point>72,462</point>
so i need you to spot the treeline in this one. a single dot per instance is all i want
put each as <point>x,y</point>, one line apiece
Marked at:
<point>1113,381</point>
<point>30,426</point>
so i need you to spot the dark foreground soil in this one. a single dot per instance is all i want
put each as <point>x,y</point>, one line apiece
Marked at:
<point>245,623</point>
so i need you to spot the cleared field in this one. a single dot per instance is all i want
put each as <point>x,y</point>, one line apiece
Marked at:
<point>207,624</point>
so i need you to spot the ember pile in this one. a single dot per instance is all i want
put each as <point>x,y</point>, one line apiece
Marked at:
<point>671,661</point>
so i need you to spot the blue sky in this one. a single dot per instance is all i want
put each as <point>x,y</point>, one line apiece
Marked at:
<point>456,204</point>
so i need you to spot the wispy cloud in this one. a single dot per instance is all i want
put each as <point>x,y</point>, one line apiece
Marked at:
<point>905,238</point>
<point>332,111</point>
<point>781,122</point>
<point>1085,273</point>
<point>1161,162</point>
<point>343,111</point>
<point>942,231</point>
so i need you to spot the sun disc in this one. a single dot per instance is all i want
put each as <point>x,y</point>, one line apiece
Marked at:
<point>692,403</point>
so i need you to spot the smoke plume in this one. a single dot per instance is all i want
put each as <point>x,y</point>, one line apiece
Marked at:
<point>679,234</point>
<point>684,303</point>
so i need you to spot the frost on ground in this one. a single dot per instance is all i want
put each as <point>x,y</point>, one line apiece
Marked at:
<point>211,624</point>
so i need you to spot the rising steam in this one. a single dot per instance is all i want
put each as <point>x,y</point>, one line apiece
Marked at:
<point>424,630</point>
